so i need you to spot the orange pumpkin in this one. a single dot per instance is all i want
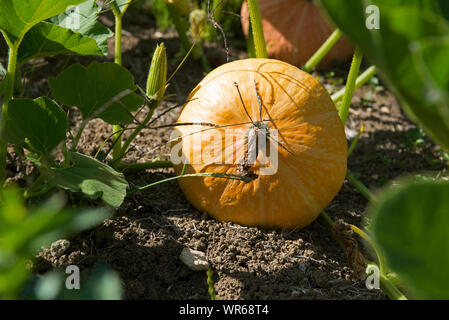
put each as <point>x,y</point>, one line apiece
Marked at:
<point>305,132</point>
<point>294,30</point>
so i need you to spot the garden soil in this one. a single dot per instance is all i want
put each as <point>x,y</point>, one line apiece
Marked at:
<point>145,236</point>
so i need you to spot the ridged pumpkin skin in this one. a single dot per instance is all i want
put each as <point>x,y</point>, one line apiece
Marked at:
<point>294,30</point>
<point>308,177</point>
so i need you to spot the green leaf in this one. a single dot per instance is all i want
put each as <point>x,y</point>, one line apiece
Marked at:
<point>91,89</point>
<point>93,178</point>
<point>406,26</point>
<point>89,26</point>
<point>19,16</point>
<point>410,225</point>
<point>47,39</point>
<point>39,124</point>
<point>76,31</point>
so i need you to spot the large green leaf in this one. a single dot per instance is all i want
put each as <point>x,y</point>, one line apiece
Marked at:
<point>93,178</point>
<point>405,25</point>
<point>19,16</point>
<point>40,124</point>
<point>74,32</point>
<point>411,226</point>
<point>93,88</point>
<point>47,39</point>
<point>88,23</point>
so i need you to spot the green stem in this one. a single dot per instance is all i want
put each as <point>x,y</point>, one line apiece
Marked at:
<point>206,174</point>
<point>136,167</point>
<point>9,82</point>
<point>390,290</point>
<point>32,189</point>
<point>350,84</point>
<point>118,32</point>
<point>322,51</point>
<point>361,80</point>
<point>356,139</point>
<point>204,62</point>
<point>361,187</point>
<point>256,25</point>
<point>369,239</point>
<point>328,223</point>
<point>386,285</point>
<point>210,283</point>
<point>250,44</point>
<point>181,28</point>
<point>117,138</point>
<point>133,135</point>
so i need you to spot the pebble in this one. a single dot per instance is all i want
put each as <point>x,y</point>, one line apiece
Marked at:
<point>58,247</point>
<point>194,260</point>
<point>385,110</point>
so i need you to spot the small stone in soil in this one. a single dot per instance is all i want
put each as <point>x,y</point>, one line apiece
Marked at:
<point>194,260</point>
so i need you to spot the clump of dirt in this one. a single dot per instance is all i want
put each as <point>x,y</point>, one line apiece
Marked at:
<point>144,238</point>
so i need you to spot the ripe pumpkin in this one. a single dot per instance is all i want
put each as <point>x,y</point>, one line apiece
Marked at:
<point>311,144</point>
<point>294,30</point>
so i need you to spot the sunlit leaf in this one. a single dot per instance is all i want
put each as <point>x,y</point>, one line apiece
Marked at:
<point>47,39</point>
<point>19,16</point>
<point>93,88</point>
<point>93,178</point>
<point>76,31</point>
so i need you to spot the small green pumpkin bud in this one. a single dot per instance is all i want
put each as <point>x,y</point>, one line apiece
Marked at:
<point>197,19</point>
<point>157,77</point>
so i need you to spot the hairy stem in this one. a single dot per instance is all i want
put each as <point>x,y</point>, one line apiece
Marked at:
<point>361,80</point>
<point>322,51</point>
<point>361,187</point>
<point>250,43</point>
<point>256,26</point>
<point>117,149</point>
<point>356,139</point>
<point>181,28</point>
<point>350,85</point>
<point>136,167</point>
